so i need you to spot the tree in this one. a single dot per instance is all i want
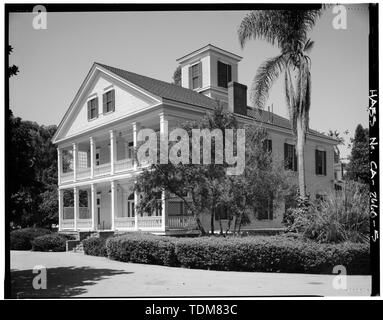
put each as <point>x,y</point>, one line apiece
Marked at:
<point>211,190</point>
<point>12,70</point>
<point>358,168</point>
<point>288,29</point>
<point>177,76</point>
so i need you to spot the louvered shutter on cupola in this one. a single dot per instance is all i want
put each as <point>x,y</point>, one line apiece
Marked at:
<point>104,105</point>
<point>221,74</point>
<point>190,78</point>
<point>200,75</point>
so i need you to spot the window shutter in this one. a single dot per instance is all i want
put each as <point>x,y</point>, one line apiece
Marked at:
<point>190,78</point>
<point>96,103</point>
<point>104,103</point>
<point>270,145</point>
<point>89,110</point>
<point>113,99</point>
<point>316,162</point>
<point>222,74</point>
<point>286,156</point>
<point>200,75</point>
<point>295,160</point>
<point>228,73</point>
<point>325,163</point>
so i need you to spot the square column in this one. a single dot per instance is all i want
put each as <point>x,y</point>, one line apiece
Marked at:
<point>93,194</point>
<point>164,146</point>
<point>92,156</point>
<point>136,128</point>
<point>113,150</point>
<point>164,210</point>
<point>76,206</point>
<point>113,201</point>
<point>61,202</point>
<point>136,199</point>
<point>75,150</point>
<point>59,165</point>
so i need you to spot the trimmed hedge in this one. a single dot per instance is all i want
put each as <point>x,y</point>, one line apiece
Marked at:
<point>254,253</point>
<point>49,242</point>
<point>95,247</point>
<point>21,239</point>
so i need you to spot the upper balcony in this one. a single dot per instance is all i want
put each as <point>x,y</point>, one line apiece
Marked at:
<point>104,154</point>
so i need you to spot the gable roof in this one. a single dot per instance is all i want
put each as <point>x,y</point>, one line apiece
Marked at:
<point>163,89</point>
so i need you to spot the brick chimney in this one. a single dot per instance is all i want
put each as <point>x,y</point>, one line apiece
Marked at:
<point>237,98</point>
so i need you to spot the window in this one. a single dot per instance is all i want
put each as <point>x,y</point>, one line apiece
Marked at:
<point>290,157</point>
<point>108,101</point>
<point>221,213</point>
<point>267,145</point>
<point>195,76</point>
<point>93,108</point>
<point>265,210</point>
<point>224,74</point>
<point>320,162</point>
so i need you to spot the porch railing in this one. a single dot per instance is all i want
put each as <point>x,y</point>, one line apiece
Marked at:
<point>102,169</point>
<point>123,165</point>
<point>66,176</point>
<point>68,213</point>
<point>67,224</point>
<point>124,222</point>
<point>83,173</point>
<point>181,222</point>
<point>84,213</point>
<point>150,222</point>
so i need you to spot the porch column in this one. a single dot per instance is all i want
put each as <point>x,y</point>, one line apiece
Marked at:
<point>76,206</point>
<point>136,199</point>
<point>61,201</point>
<point>164,146</point>
<point>91,157</point>
<point>113,200</point>
<point>164,210</point>
<point>112,150</point>
<point>75,150</point>
<point>136,128</point>
<point>93,204</point>
<point>59,165</point>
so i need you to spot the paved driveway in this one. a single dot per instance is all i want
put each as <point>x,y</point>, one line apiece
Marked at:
<point>77,275</point>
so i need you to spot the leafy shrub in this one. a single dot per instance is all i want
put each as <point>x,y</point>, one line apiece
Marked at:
<point>340,216</point>
<point>259,254</point>
<point>142,249</point>
<point>49,242</point>
<point>21,239</point>
<point>95,247</point>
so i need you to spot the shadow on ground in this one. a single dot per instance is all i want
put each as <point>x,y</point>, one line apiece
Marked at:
<point>61,282</point>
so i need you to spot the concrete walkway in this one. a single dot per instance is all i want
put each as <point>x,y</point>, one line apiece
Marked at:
<point>77,275</point>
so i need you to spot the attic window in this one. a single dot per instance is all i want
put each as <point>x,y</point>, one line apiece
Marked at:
<point>224,74</point>
<point>108,101</point>
<point>93,108</point>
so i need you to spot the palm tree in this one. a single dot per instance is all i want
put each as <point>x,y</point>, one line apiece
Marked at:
<point>288,30</point>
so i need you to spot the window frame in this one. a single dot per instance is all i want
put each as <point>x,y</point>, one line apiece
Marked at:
<point>320,162</point>
<point>93,108</point>
<point>293,164</point>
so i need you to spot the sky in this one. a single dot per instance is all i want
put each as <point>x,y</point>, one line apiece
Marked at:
<point>54,62</point>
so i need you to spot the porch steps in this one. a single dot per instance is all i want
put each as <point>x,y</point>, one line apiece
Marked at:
<point>80,247</point>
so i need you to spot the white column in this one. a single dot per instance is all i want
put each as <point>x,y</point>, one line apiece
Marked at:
<point>93,196</point>
<point>135,126</point>
<point>75,161</point>
<point>76,206</point>
<point>59,165</point>
<point>163,139</point>
<point>61,202</point>
<point>92,156</point>
<point>163,211</point>
<point>136,199</point>
<point>112,150</point>
<point>113,200</point>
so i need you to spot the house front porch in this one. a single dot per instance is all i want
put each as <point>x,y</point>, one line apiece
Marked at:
<point>111,206</point>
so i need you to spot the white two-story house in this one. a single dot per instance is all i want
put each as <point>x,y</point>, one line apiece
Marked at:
<point>98,134</point>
